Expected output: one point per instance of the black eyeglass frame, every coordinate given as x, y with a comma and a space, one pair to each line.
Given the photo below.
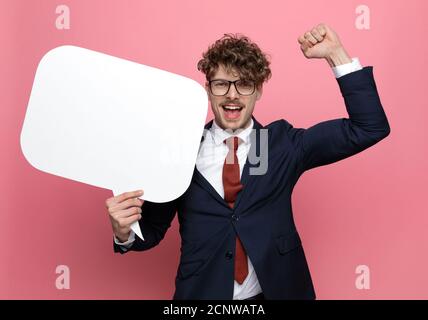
230, 83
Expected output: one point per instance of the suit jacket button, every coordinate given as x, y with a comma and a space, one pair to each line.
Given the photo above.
229, 255
235, 217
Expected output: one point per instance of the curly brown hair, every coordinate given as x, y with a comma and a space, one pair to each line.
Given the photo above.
236, 52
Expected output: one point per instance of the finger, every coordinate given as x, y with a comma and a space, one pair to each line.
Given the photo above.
127, 195
127, 213
301, 39
322, 29
133, 202
315, 33
109, 202
306, 45
130, 220
310, 38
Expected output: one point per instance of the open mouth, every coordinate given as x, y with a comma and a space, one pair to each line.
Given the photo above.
232, 111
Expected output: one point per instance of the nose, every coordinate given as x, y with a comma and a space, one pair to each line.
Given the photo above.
232, 94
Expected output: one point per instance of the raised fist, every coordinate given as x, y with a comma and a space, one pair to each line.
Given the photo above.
322, 42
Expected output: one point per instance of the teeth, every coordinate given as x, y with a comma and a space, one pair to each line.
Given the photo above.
232, 107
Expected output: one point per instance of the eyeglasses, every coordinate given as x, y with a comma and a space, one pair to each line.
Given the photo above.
221, 87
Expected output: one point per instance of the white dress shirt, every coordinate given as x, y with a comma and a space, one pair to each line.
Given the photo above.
209, 163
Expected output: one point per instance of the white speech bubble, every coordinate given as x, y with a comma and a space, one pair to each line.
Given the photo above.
114, 124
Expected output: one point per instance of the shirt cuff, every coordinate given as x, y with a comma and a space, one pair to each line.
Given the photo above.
344, 69
127, 244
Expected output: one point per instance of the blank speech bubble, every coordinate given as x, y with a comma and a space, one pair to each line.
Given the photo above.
114, 124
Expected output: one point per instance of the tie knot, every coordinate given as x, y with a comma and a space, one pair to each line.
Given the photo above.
233, 143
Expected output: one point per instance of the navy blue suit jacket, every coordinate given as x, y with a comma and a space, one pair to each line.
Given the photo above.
262, 215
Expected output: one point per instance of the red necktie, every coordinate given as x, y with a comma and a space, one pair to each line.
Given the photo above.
232, 185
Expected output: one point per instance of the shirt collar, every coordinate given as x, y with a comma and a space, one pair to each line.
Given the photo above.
219, 135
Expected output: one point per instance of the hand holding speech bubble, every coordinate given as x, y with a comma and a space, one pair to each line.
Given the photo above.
114, 124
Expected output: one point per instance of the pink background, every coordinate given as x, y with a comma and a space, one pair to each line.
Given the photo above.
366, 210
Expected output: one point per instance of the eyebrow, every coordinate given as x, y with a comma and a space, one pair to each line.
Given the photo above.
226, 80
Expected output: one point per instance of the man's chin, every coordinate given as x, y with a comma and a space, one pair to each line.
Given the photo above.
231, 125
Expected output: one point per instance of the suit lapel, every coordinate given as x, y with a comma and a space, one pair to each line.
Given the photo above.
200, 179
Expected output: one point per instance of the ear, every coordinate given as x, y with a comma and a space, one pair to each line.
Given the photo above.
259, 92
207, 89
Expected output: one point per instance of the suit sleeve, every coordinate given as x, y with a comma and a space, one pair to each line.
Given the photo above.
155, 221
337, 139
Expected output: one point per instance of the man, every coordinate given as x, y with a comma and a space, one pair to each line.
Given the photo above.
239, 240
